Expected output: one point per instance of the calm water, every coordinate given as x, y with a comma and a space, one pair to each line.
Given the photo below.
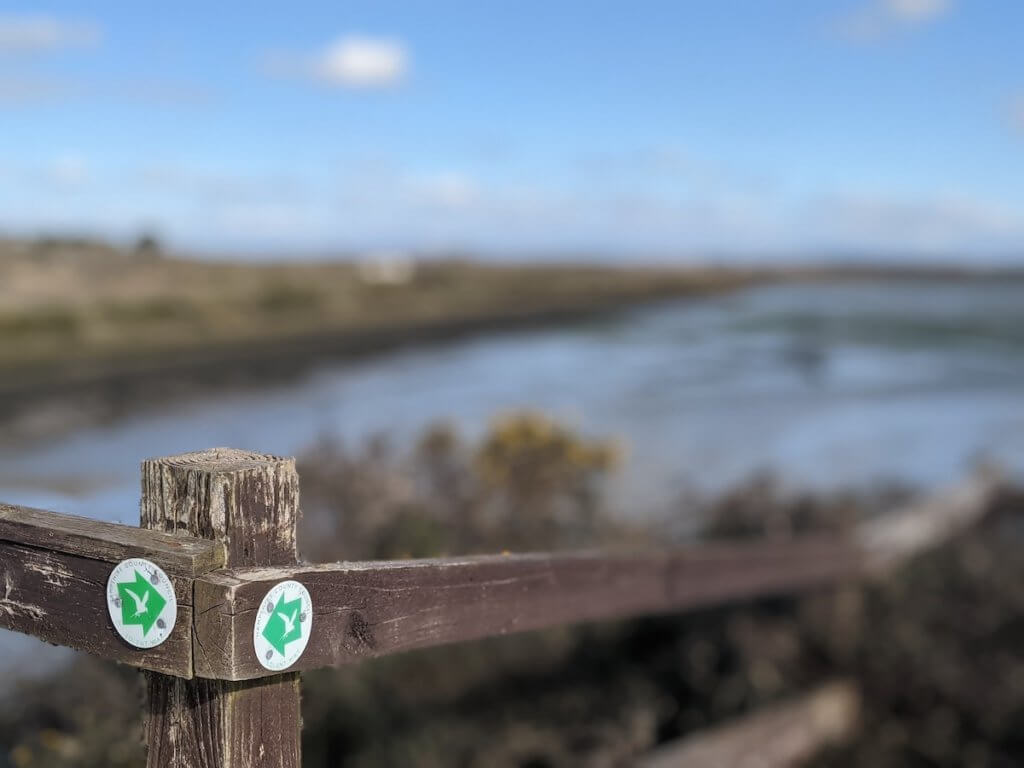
837, 385
827, 385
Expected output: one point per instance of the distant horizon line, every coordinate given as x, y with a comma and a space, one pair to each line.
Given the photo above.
775, 258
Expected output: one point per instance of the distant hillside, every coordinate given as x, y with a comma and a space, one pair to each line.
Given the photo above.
70, 306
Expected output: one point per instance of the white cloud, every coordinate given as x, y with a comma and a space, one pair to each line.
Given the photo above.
449, 189
916, 11
274, 219
209, 184
880, 18
68, 170
361, 62
34, 33
22, 90
935, 224
392, 206
18, 91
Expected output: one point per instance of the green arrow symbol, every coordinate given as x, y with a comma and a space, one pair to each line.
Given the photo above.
141, 603
284, 625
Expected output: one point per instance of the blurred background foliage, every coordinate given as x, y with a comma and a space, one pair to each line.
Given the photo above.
939, 649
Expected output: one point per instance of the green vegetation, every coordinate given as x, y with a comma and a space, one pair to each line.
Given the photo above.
44, 323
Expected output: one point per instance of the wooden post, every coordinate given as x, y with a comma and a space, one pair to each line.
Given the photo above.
250, 503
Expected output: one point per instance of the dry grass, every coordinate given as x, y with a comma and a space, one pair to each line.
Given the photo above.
67, 302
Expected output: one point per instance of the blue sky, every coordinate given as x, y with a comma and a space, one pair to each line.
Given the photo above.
640, 129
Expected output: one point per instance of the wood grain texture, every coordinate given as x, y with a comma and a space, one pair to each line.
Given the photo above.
61, 598
785, 735
371, 609
249, 503
246, 501
109, 542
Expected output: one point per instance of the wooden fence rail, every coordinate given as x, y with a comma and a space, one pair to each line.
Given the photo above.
376, 608
55, 570
783, 735
221, 524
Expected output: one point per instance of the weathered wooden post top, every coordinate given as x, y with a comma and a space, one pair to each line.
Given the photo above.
209, 599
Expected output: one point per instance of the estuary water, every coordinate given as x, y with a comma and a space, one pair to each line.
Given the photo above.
827, 385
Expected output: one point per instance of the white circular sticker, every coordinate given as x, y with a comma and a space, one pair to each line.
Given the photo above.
283, 625
141, 601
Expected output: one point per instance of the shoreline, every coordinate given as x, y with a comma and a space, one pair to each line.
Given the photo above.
93, 385
50, 401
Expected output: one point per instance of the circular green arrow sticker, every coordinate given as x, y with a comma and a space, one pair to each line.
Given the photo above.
141, 602
284, 622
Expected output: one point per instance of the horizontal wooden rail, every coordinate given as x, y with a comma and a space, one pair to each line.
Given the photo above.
369, 609
784, 735
178, 555
376, 608
54, 568
891, 539
54, 571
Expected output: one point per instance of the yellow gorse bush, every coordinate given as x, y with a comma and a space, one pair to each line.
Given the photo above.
532, 448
